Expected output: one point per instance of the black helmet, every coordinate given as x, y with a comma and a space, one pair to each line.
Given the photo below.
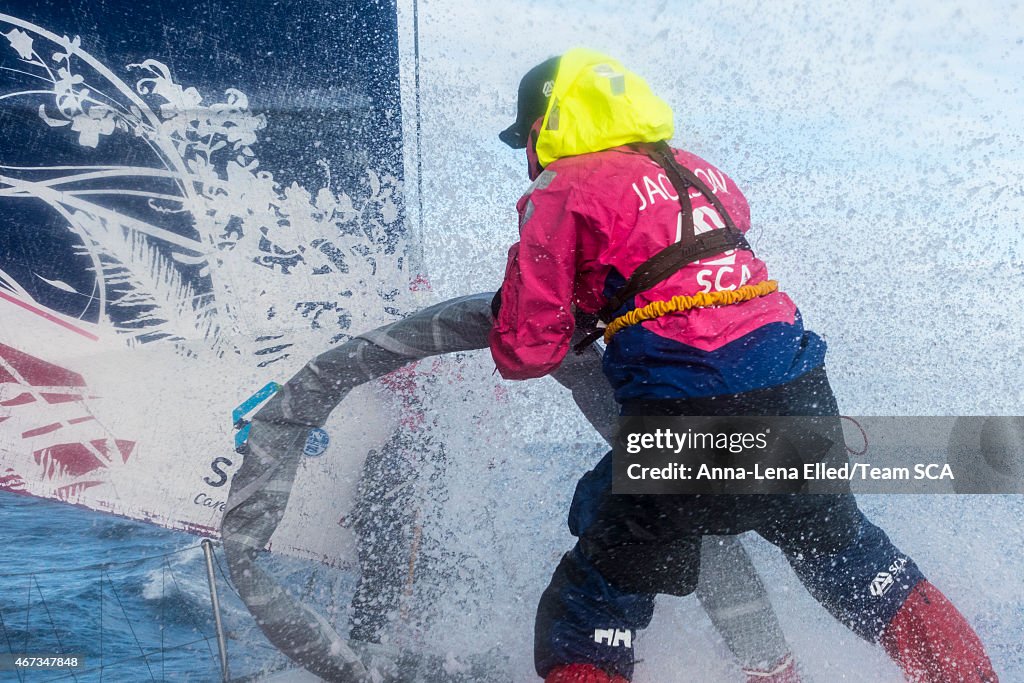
534, 92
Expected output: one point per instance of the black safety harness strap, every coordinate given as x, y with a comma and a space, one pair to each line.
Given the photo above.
689, 248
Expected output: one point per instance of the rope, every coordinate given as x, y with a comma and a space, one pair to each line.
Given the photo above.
163, 616
128, 622
191, 617
227, 579
53, 624
10, 648
28, 614
101, 625
123, 660
678, 304
144, 654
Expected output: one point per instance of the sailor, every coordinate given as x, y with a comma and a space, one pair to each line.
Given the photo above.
650, 239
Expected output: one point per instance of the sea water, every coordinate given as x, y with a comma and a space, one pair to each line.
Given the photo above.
130, 598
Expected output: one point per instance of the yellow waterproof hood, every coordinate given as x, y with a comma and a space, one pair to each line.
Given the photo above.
597, 104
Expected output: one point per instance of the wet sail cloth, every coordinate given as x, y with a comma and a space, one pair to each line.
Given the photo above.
167, 218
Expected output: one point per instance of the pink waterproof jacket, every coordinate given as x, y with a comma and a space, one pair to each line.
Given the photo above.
585, 225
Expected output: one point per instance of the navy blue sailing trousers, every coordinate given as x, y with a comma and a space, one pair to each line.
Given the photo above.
633, 547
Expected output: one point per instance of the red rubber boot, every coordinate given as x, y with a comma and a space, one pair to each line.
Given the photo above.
933, 643
783, 672
581, 673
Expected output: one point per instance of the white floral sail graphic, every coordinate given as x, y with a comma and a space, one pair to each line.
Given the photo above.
209, 279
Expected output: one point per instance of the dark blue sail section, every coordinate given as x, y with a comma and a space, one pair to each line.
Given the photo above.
308, 90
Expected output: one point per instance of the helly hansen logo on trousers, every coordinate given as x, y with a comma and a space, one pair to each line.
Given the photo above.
883, 581
614, 637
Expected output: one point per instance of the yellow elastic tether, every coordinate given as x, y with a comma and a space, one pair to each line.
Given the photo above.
680, 303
